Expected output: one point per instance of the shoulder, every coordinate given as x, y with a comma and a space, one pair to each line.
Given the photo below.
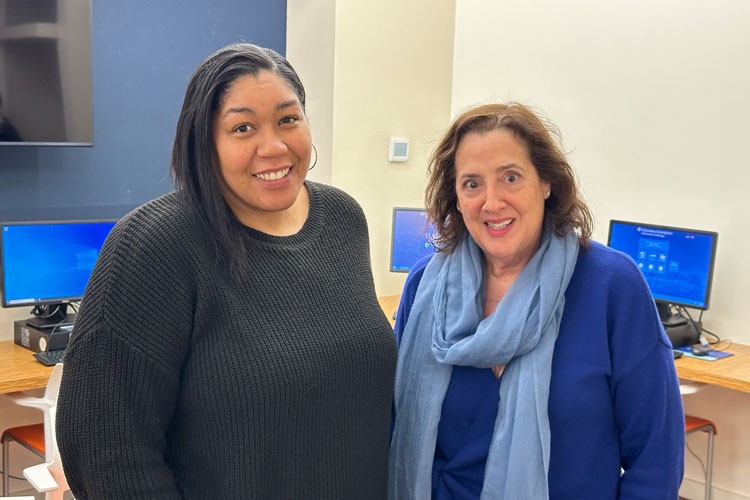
409, 293
333, 197
169, 207
415, 275
162, 217
606, 266
336, 207
161, 228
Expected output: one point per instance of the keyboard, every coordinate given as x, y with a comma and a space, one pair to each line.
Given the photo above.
50, 358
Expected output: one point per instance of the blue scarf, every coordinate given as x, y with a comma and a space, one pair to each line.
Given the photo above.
445, 328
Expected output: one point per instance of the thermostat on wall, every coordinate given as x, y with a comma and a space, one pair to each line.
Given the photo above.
398, 149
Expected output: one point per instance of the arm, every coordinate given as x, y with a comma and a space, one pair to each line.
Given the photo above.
646, 396
122, 369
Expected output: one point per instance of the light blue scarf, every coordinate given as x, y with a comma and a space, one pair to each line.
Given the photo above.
446, 328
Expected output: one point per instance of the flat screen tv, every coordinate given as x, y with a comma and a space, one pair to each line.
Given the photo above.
45, 73
678, 263
47, 265
411, 238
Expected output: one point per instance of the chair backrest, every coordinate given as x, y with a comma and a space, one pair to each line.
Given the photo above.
53, 384
49, 476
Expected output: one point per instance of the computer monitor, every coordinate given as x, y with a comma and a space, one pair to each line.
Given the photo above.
47, 265
678, 263
411, 238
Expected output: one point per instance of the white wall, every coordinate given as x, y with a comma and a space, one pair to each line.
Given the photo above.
652, 100
310, 41
392, 78
374, 70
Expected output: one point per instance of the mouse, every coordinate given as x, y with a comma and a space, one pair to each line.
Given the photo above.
700, 350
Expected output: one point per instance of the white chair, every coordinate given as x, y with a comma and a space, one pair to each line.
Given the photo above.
47, 477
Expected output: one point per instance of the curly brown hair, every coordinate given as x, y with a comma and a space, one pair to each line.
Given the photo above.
564, 211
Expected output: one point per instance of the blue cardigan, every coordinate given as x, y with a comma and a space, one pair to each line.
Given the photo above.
614, 400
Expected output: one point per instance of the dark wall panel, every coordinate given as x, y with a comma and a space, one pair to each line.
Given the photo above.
144, 52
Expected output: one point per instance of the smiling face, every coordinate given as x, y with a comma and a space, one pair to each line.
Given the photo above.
263, 145
501, 197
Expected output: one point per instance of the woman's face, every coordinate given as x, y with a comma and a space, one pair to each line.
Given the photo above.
263, 146
501, 197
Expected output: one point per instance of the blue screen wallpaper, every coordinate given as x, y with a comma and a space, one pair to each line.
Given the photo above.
410, 239
677, 263
48, 262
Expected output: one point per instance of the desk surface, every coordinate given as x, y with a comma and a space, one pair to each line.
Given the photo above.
20, 371
389, 304
732, 372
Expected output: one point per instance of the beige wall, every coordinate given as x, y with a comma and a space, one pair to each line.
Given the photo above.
310, 41
652, 100
391, 79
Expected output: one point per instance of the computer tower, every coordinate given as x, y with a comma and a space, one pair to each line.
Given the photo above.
39, 340
684, 334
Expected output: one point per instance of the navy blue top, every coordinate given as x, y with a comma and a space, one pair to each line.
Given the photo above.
614, 395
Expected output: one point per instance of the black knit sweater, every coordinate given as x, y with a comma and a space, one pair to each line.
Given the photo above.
180, 383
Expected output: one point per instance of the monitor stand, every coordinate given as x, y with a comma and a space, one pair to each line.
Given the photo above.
51, 316
667, 318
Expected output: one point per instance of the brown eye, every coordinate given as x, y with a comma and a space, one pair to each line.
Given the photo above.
243, 128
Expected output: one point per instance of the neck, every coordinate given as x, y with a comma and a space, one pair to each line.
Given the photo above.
286, 222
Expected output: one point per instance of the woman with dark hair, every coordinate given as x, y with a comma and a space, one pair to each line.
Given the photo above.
230, 343
532, 362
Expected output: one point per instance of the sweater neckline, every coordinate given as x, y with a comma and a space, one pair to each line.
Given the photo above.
311, 227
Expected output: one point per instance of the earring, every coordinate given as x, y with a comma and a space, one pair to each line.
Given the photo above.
316, 157
546, 195
458, 207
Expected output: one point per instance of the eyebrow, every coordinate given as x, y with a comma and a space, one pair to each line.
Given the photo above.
501, 168
245, 109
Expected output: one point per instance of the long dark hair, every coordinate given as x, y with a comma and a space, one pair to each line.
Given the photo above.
565, 210
194, 152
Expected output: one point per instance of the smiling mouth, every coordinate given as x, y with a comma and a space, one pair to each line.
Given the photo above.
273, 176
500, 225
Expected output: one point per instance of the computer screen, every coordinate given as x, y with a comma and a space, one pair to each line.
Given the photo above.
410, 238
48, 263
678, 263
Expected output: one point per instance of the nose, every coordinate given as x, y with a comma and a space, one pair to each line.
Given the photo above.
270, 143
494, 199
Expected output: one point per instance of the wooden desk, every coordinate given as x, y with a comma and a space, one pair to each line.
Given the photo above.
732, 372
389, 304
19, 370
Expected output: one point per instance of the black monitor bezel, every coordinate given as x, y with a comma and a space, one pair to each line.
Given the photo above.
712, 264
47, 301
